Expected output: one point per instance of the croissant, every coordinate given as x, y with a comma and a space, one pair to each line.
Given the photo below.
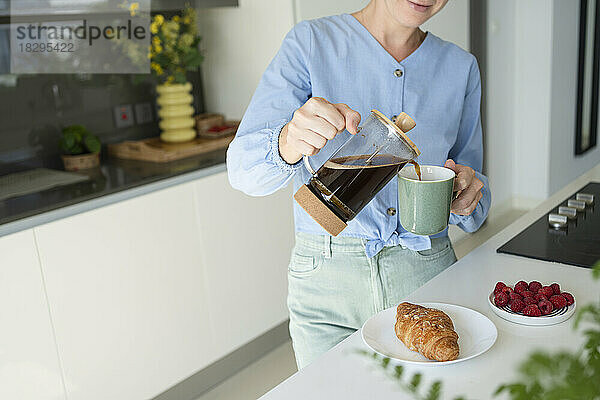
428, 331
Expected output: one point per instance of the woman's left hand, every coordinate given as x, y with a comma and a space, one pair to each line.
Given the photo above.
468, 187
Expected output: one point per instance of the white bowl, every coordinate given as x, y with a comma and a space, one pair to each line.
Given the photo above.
557, 315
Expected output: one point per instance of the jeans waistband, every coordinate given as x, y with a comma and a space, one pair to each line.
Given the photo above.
330, 244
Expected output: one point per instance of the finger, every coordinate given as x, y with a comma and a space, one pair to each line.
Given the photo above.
450, 164
469, 210
304, 122
351, 117
304, 148
315, 139
328, 112
467, 196
464, 177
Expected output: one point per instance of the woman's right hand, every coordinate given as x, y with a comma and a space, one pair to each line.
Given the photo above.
312, 125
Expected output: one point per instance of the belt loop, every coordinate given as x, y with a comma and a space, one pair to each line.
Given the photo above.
327, 245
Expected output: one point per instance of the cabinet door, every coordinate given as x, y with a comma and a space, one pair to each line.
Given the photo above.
127, 291
247, 242
29, 366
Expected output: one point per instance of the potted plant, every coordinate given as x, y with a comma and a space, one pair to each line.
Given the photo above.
174, 50
81, 148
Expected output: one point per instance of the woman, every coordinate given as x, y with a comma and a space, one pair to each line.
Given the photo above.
328, 73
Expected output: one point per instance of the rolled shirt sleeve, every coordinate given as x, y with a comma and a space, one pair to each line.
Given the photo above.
468, 150
254, 163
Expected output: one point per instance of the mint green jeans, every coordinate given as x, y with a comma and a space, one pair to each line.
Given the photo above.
333, 288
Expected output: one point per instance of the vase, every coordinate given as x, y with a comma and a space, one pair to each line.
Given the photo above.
176, 112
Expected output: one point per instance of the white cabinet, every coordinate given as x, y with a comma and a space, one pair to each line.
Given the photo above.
146, 292
127, 292
29, 366
247, 244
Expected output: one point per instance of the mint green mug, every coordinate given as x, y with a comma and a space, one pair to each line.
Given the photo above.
425, 205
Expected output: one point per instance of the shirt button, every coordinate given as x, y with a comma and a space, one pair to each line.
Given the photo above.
398, 72
391, 211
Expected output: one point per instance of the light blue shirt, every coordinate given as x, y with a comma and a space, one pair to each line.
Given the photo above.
338, 59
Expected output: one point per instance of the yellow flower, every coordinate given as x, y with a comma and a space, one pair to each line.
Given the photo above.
157, 68
176, 18
159, 19
186, 39
187, 20
133, 8
155, 40
154, 28
170, 79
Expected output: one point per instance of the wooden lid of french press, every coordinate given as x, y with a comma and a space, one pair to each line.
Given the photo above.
404, 123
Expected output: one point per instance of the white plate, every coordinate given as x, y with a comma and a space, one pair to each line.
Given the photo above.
476, 334
555, 317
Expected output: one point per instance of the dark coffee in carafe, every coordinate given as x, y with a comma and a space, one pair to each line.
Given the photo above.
347, 184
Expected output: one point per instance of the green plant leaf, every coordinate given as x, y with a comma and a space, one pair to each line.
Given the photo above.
415, 382
92, 143
434, 391
398, 370
179, 77
596, 270
385, 362
76, 139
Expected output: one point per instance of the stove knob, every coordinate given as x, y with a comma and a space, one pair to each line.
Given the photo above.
585, 197
557, 221
567, 212
576, 204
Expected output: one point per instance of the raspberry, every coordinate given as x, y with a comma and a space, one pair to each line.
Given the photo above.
534, 286
517, 305
532, 310
545, 307
546, 291
515, 296
501, 299
568, 297
529, 300
539, 297
508, 290
556, 288
526, 293
558, 301
521, 286
499, 287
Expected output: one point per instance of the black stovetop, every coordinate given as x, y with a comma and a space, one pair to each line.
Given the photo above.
578, 244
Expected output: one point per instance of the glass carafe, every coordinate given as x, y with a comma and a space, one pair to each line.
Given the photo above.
357, 171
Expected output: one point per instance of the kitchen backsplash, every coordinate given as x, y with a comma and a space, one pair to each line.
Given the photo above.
34, 108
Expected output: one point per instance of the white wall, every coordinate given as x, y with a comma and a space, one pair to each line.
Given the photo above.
238, 43
518, 101
532, 80
531, 100
499, 125
564, 165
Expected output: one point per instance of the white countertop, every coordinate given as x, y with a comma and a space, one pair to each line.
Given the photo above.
342, 374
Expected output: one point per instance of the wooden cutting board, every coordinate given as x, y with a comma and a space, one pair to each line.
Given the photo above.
155, 150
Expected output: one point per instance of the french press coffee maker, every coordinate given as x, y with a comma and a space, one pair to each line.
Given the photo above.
357, 171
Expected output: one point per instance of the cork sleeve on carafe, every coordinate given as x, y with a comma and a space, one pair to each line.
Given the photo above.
427, 331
